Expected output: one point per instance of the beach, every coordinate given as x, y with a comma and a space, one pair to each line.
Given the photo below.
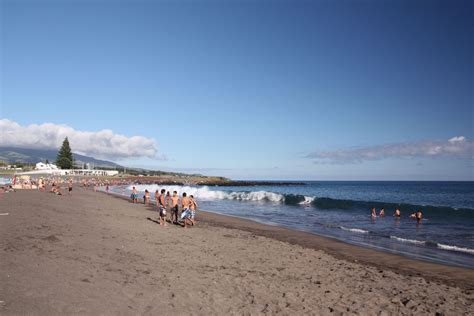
93, 253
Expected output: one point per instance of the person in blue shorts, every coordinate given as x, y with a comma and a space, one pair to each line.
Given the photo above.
192, 208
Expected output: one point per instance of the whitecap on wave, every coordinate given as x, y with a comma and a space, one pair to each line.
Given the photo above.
455, 248
412, 241
205, 193
354, 230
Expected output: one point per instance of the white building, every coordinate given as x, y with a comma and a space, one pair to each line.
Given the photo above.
10, 167
46, 166
52, 169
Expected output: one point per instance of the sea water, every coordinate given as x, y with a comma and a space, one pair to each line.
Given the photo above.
341, 210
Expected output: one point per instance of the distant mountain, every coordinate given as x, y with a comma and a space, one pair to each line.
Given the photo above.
25, 155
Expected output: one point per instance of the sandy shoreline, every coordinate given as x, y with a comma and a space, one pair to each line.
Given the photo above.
97, 254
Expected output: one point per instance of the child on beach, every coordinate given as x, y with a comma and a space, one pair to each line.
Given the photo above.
56, 190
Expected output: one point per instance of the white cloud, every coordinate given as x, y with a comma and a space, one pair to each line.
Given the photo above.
101, 144
459, 147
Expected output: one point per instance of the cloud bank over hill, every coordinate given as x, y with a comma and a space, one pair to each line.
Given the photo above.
103, 144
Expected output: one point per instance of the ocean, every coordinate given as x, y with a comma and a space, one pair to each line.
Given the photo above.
341, 210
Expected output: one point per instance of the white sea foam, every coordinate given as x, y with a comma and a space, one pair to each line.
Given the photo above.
307, 200
205, 193
354, 230
5, 180
412, 241
455, 248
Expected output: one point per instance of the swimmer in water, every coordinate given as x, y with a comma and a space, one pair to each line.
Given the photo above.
419, 216
397, 213
374, 212
382, 212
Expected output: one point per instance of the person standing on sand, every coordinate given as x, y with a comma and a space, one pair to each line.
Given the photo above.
174, 207
192, 206
184, 202
157, 198
69, 186
191, 212
146, 197
134, 195
168, 205
184, 207
162, 207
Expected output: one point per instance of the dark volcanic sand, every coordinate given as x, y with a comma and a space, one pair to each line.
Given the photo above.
98, 254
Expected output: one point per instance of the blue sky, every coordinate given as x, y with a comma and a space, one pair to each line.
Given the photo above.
250, 89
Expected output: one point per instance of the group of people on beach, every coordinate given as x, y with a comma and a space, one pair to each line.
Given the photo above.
168, 206
418, 215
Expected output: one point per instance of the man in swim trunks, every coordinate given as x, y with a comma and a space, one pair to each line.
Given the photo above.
174, 207
185, 207
184, 202
192, 207
168, 206
134, 195
162, 207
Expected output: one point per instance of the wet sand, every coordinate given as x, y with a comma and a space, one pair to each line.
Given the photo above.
92, 253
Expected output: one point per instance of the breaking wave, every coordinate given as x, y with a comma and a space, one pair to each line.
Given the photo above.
205, 193
411, 241
434, 244
455, 248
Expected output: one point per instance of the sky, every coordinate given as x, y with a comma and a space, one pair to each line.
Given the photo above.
309, 90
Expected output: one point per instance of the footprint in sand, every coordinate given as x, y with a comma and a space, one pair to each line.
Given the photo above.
52, 238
